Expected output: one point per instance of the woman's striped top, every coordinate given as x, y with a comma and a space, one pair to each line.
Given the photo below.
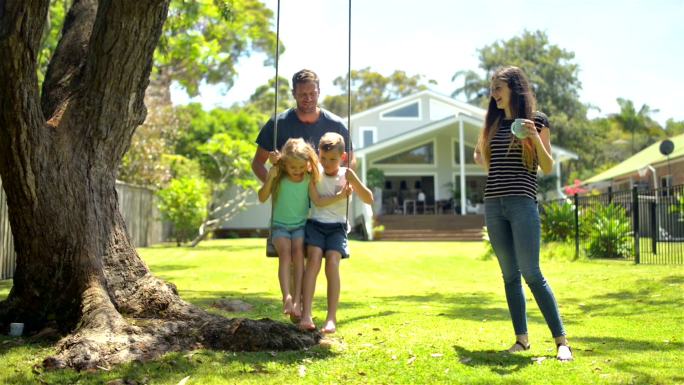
507, 172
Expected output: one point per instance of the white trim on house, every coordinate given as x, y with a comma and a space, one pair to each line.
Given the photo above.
403, 118
473, 110
403, 150
362, 130
419, 131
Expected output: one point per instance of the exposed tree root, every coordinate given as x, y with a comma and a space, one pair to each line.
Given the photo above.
105, 338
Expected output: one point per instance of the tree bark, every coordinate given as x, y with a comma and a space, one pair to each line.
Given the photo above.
76, 268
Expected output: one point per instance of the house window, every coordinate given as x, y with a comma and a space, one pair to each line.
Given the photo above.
408, 111
368, 137
468, 154
424, 154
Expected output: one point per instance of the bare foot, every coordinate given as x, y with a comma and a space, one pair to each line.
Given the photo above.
329, 327
307, 324
287, 305
296, 310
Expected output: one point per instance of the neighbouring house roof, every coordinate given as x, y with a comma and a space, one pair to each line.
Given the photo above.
649, 156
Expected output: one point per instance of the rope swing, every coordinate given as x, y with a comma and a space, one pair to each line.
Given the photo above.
270, 248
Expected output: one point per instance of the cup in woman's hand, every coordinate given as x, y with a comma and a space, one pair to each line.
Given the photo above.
518, 128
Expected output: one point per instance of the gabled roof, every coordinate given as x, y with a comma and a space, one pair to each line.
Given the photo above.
473, 110
649, 156
559, 153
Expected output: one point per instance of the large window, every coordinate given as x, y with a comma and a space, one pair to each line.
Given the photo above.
468, 154
408, 111
424, 154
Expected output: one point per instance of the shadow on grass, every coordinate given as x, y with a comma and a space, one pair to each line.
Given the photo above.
618, 348
472, 306
627, 302
173, 367
230, 248
612, 345
498, 361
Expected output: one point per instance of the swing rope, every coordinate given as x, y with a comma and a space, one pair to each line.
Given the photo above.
349, 109
349, 148
270, 248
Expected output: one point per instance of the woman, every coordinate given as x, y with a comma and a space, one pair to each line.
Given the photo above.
511, 213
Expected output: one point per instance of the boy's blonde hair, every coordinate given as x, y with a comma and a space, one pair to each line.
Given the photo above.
331, 141
296, 149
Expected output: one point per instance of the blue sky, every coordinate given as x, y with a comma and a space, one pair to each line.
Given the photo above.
625, 48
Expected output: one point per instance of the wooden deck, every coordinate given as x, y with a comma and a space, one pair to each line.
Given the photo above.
429, 227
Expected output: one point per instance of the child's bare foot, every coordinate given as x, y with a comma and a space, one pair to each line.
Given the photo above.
287, 305
307, 324
329, 327
296, 310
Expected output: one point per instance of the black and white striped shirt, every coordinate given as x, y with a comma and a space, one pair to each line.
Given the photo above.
507, 172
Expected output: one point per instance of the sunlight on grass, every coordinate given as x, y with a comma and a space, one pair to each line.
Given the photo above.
412, 312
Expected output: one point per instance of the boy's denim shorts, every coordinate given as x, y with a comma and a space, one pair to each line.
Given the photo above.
327, 236
283, 232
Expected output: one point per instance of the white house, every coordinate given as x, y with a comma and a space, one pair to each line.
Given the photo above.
422, 142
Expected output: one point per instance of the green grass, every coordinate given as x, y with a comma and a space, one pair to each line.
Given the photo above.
412, 313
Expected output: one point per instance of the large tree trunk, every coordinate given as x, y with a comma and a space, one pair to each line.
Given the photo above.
76, 268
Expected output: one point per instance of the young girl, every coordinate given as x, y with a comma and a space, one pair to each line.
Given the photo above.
291, 183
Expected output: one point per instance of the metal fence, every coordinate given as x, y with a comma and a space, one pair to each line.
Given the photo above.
643, 225
138, 207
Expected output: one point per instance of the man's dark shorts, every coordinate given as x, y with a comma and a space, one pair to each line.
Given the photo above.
327, 236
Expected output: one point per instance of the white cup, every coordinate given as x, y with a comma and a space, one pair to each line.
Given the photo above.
518, 128
16, 329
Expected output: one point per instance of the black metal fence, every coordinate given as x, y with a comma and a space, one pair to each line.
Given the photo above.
646, 226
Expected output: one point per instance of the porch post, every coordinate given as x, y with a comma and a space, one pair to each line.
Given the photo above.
461, 161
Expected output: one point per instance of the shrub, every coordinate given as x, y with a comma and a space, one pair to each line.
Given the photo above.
610, 232
488, 249
558, 222
184, 203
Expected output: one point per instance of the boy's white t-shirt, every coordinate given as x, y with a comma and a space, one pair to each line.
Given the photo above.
329, 186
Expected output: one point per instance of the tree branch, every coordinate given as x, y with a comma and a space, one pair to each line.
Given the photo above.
117, 70
21, 27
66, 66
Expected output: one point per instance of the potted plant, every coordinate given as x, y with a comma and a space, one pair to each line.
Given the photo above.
375, 180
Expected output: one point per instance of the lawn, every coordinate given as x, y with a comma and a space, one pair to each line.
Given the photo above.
411, 313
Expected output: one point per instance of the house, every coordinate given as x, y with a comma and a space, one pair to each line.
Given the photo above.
423, 142
648, 168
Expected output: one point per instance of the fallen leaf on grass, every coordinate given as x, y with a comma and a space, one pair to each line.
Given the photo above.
184, 380
538, 360
436, 355
465, 360
302, 370
410, 360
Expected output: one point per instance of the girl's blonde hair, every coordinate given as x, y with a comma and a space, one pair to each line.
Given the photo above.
522, 104
296, 149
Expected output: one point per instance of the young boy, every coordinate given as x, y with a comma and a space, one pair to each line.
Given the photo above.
326, 229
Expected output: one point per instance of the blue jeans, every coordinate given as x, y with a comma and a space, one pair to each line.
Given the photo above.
515, 230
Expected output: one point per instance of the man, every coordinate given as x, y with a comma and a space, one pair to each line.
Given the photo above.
307, 120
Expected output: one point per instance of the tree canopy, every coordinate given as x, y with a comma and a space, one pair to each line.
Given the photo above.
370, 89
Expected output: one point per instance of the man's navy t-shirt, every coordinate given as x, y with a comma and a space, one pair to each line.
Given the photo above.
289, 126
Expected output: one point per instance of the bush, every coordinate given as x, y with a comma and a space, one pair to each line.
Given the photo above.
184, 203
488, 249
558, 222
609, 232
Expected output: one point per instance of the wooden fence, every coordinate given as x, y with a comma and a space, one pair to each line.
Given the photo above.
139, 209
6, 240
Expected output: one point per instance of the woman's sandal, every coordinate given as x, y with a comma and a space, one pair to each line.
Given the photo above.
518, 347
564, 353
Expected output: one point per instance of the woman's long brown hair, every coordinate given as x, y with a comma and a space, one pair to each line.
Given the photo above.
522, 104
